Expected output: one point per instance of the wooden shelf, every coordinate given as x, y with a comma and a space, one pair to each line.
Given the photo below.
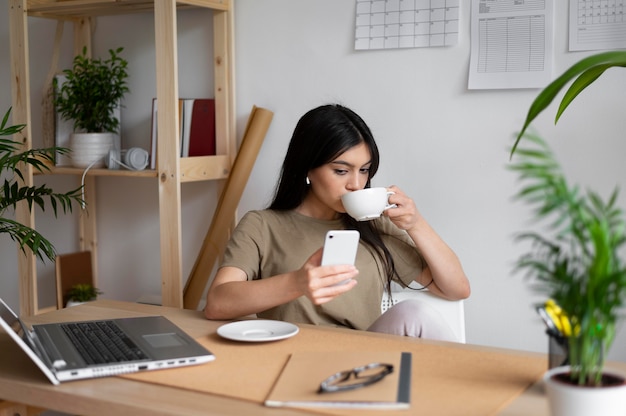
171, 171
62, 170
65, 9
192, 169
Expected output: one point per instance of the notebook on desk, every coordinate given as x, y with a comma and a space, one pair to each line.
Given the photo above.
97, 348
299, 383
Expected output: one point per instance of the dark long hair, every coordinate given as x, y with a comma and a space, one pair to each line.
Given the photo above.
320, 136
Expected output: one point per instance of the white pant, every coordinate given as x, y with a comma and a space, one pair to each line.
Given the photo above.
414, 318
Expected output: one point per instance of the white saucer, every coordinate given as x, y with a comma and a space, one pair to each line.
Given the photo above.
257, 330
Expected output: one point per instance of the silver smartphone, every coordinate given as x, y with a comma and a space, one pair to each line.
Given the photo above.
340, 247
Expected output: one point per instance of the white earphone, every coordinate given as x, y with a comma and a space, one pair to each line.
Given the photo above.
134, 158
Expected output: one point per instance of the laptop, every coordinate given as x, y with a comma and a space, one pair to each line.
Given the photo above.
97, 348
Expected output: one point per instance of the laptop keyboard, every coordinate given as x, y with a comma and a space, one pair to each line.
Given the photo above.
102, 342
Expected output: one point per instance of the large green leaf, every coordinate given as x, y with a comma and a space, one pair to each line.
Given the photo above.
584, 73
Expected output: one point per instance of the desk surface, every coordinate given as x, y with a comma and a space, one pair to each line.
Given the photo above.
22, 382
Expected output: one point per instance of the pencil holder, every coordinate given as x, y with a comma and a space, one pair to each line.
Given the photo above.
558, 350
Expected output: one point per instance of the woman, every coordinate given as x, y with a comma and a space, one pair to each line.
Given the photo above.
272, 265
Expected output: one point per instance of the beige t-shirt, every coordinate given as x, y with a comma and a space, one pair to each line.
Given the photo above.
267, 243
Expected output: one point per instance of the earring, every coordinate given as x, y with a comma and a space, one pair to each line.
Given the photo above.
308, 181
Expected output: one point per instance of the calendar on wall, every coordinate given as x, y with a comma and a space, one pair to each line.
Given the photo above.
597, 24
393, 24
511, 43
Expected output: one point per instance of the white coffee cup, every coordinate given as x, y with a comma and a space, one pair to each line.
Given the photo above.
367, 204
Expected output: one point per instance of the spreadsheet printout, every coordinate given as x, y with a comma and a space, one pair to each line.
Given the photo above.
511, 44
597, 24
394, 24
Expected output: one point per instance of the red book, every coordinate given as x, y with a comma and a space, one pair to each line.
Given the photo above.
202, 133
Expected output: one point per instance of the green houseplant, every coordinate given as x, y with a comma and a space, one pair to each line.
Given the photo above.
578, 261
89, 97
12, 160
81, 293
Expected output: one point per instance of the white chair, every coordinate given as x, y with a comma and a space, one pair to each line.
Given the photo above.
452, 311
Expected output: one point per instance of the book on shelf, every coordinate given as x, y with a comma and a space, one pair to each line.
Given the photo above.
299, 382
196, 125
202, 128
186, 113
153, 135
181, 125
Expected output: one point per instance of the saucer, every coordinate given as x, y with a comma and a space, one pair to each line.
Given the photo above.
257, 330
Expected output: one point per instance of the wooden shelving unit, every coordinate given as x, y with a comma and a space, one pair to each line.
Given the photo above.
171, 170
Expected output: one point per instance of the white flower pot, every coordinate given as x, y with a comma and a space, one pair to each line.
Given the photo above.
88, 148
572, 400
71, 303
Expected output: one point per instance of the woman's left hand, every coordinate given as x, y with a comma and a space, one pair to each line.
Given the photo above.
405, 215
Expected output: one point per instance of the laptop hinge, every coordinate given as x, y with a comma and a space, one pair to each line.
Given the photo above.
51, 355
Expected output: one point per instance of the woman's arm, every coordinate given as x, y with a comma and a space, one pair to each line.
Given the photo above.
231, 295
443, 267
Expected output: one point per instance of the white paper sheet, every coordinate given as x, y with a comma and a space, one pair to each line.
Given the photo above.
511, 45
393, 24
595, 24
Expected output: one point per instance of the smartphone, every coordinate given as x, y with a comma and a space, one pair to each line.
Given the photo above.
340, 247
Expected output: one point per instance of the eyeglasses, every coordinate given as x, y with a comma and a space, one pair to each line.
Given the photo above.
355, 378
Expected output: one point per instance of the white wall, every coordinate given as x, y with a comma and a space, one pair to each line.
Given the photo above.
444, 145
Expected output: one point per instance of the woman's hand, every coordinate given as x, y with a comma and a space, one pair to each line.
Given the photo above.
231, 295
322, 284
405, 216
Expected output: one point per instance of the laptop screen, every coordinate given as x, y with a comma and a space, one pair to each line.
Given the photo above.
16, 324
18, 332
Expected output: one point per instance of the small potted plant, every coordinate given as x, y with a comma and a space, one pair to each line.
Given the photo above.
578, 260
82, 293
89, 96
12, 160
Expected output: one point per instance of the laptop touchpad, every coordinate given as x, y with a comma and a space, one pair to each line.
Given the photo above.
164, 340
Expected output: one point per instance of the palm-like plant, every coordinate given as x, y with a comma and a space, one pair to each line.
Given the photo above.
12, 160
583, 74
578, 262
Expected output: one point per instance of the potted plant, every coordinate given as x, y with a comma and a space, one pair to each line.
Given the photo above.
89, 96
13, 191
82, 293
578, 260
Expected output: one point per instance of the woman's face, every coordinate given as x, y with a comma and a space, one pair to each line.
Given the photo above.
347, 173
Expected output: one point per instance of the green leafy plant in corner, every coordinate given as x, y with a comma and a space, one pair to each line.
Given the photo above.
583, 74
83, 293
13, 159
576, 261
91, 92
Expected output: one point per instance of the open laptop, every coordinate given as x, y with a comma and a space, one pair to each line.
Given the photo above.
109, 347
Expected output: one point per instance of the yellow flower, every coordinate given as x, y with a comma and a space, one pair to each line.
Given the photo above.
558, 317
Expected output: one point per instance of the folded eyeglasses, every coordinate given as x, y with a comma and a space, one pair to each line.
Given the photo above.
355, 378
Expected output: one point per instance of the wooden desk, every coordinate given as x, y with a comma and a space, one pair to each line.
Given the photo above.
21, 382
